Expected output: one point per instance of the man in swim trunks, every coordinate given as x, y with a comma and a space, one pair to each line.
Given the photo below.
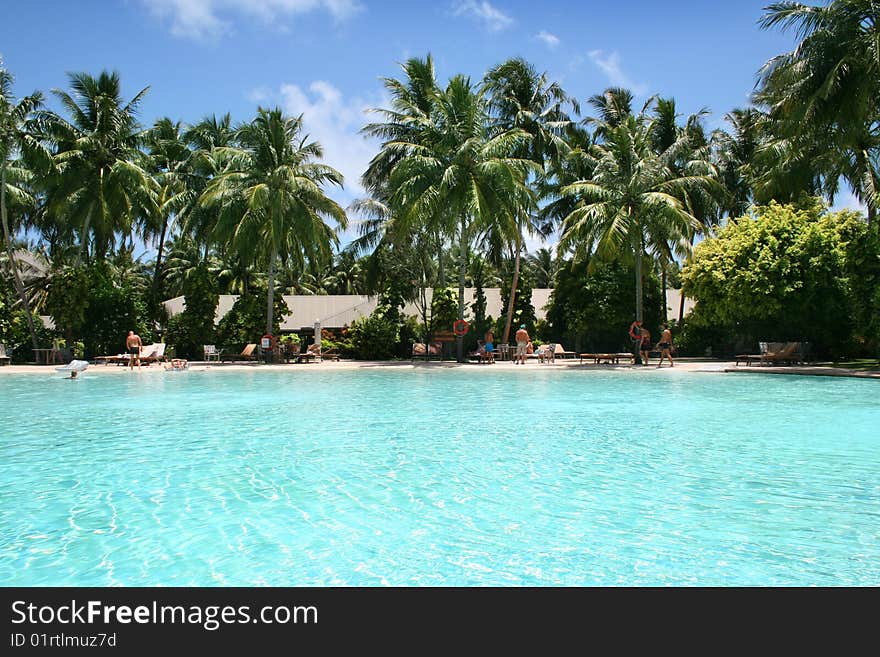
133, 345
665, 346
522, 345
489, 347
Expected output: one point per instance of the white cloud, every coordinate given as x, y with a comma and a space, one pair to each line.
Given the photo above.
492, 18
551, 40
206, 20
610, 66
335, 122
258, 94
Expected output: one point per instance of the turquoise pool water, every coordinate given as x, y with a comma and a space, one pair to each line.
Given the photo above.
439, 477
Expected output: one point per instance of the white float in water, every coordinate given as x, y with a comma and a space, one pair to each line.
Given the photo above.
74, 367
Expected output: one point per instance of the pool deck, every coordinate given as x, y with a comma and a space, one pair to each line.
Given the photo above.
682, 365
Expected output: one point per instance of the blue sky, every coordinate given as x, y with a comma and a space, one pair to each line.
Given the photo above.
324, 58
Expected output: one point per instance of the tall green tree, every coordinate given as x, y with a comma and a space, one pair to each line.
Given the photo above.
16, 137
170, 160
521, 98
822, 96
270, 199
102, 185
459, 175
633, 198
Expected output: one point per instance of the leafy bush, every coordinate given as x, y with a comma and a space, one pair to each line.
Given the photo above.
246, 320
189, 331
591, 307
374, 337
781, 275
88, 302
523, 310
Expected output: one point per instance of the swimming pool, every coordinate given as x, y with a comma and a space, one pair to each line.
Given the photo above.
439, 476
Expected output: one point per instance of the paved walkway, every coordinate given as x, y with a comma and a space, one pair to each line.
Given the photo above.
681, 365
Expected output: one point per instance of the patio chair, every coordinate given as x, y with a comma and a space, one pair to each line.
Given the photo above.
433, 350
330, 354
547, 353
153, 353
210, 351
4, 359
558, 350
246, 354
789, 354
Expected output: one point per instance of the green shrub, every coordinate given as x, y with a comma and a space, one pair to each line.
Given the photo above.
591, 307
780, 275
189, 331
246, 321
374, 337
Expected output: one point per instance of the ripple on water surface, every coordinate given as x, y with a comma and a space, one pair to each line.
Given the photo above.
439, 477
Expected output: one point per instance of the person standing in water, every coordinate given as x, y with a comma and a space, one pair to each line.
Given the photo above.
133, 345
665, 346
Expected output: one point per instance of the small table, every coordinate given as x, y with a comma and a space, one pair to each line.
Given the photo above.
46, 356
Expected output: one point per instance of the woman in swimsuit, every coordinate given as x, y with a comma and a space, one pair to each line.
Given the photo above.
645, 346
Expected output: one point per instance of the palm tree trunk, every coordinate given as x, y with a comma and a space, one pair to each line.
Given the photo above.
84, 240
462, 272
663, 285
159, 259
513, 286
16, 277
271, 295
639, 248
681, 291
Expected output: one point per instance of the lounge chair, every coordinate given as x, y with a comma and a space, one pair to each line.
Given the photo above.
210, 352
246, 354
330, 354
558, 351
433, 350
789, 354
153, 353
4, 359
312, 354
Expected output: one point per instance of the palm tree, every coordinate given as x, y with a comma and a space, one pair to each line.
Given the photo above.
16, 137
102, 184
457, 175
204, 138
734, 155
170, 160
520, 98
270, 198
633, 197
824, 92
542, 267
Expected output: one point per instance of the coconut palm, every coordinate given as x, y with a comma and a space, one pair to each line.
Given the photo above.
270, 199
16, 139
824, 92
102, 185
203, 138
457, 175
634, 196
170, 161
520, 98
542, 267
